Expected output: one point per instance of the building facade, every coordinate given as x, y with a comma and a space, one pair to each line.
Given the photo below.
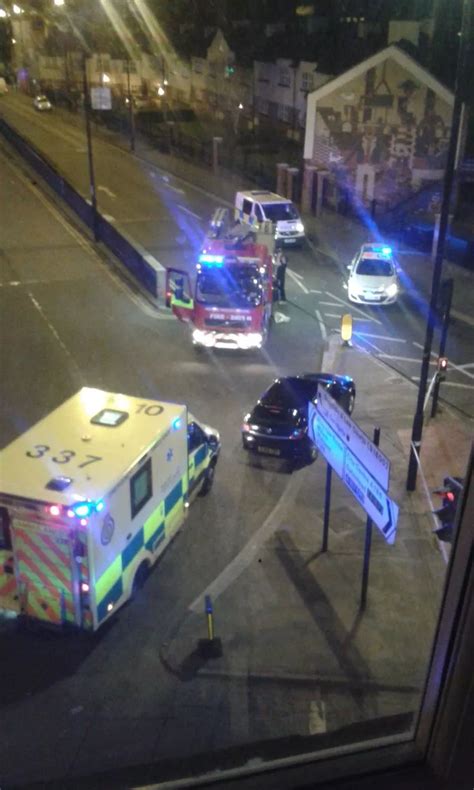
381, 129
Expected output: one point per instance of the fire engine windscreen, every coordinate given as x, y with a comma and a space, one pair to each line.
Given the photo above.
237, 285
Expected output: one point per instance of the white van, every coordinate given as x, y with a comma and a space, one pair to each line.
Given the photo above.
256, 206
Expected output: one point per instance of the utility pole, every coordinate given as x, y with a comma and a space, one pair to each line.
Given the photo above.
460, 86
131, 116
92, 190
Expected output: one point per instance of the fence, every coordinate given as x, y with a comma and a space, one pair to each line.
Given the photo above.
146, 269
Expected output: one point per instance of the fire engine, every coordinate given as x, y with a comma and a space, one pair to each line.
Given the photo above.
228, 298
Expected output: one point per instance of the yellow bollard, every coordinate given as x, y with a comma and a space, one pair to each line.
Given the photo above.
346, 329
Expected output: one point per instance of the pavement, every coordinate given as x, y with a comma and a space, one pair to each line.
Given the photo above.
285, 611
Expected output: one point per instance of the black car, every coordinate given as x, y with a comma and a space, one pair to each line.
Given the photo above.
277, 425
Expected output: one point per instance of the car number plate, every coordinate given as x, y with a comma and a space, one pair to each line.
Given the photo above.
268, 450
290, 241
373, 297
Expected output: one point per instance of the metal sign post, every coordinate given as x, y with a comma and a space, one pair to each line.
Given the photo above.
368, 543
327, 507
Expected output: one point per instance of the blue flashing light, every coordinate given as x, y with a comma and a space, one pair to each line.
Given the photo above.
176, 423
214, 260
99, 505
82, 509
386, 250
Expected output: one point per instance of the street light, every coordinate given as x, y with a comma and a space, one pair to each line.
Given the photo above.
161, 91
16, 9
105, 78
3, 13
58, 2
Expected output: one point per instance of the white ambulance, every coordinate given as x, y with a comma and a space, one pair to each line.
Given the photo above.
259, 205
89, 498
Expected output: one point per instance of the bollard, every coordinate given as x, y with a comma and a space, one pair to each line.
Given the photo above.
346, 329
210, 618
210, 647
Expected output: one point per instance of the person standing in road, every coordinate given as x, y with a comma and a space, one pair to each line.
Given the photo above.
280, 275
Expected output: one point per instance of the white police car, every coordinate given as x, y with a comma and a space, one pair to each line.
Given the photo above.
373, 276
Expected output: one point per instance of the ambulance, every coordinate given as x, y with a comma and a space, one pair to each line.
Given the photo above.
90, 497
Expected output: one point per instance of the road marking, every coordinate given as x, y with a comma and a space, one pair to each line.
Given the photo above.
353, 307
333, 315
299, 276
317, 717
109, 218
297, 279
455, 384
467, 365
322, 327
107, 191
76, 372
466, 319
243, 559
403, 359
187, 211
459, 368
381, 337
176, 189
330, 304
314, 291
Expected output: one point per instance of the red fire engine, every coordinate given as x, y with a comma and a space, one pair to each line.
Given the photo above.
228, 298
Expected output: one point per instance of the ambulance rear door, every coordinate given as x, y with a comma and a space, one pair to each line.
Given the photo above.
45, 571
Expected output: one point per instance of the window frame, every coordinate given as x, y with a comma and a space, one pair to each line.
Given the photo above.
136, 507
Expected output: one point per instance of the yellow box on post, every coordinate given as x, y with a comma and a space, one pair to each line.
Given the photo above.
346, 329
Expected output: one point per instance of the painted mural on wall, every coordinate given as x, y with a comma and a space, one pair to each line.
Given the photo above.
384, 134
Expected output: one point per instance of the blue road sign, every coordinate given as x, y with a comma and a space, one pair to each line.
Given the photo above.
358, 478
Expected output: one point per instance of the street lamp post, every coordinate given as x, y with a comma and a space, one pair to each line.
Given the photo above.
131, 114
460, 87
90, 159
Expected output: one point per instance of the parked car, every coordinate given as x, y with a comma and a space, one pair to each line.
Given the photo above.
373, 277
42, 103
260, 205
277, 425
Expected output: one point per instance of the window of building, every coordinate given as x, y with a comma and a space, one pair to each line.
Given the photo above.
141, 489
5, 538
307, 81
197, 66
284, 77
264, 106
284, 113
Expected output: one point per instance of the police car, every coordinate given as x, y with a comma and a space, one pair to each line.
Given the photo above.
373, 277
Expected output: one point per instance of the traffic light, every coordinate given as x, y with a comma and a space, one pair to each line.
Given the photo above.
442, 367
446, 514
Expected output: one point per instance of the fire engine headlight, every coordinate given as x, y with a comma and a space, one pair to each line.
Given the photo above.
203, 338
300, 227
254, 340
392, 289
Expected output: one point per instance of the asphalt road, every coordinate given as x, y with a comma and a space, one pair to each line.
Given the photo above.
167, 216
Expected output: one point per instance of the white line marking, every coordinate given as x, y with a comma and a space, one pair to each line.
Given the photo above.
107, 191
296, 280
176, 189
314, 291
462, 317
243, 559
299, 276
353, 307
455, 384
187, 211
322, 328
109, 218
317, 717
459, 368
369, 343
381, 337
330, 304
333, 315
402, 359
75, 368
466, 365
